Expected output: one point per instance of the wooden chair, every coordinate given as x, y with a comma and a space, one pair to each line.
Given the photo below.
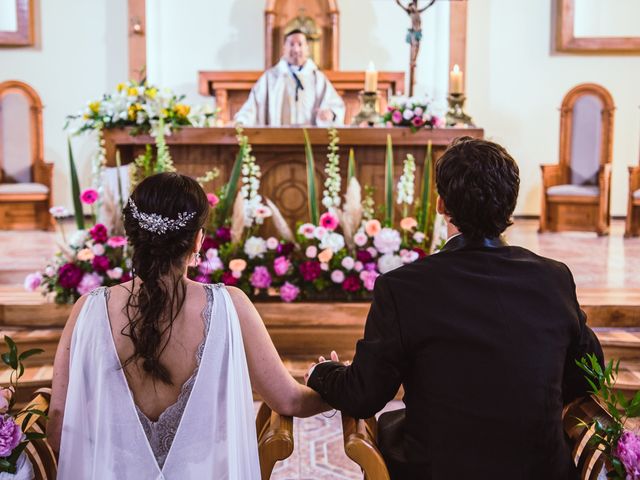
632, 226
360, 440
39, 452
25, 178
275, 438
360, 445
576, 192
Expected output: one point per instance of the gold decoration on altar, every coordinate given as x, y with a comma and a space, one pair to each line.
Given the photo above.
311, 30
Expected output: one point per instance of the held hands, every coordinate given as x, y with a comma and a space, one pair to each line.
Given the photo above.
334, 358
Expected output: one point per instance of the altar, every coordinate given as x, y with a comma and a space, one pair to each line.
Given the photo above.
280, 153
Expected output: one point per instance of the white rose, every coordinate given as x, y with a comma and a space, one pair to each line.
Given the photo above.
78, 238
272, 243
360, 239
50, 271
407, 114
324, 267
319, 232
387, 240
255, 247
115, 273
418, 237
388, 262
332, 240
311, 251
348, 263
98, 249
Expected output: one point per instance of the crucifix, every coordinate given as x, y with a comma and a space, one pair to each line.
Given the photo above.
414, 34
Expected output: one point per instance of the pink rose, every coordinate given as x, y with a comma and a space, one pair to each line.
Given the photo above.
281, 265
337, 276
213, 199
32, 282
10, 435
368, 278
116, 242
260, 278
289, 292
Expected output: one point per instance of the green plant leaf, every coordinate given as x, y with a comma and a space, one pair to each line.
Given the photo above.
30, 353
75, 189
388, 184
351, 170
312, 197
231, 188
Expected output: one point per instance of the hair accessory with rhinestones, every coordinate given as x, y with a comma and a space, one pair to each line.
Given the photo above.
158, 224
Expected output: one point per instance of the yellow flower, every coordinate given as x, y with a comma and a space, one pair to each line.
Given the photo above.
182, 110
121, 86
94, 106
165, 112
132, 92
151, 92
132, 112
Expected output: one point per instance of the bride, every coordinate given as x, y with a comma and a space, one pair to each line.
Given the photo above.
152, 378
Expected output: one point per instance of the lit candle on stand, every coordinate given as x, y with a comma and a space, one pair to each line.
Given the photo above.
371, 79
455, 80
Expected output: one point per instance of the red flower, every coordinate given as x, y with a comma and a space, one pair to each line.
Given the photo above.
99, 233
417, 121
100, 263
363, 256
310, 270
69, 275
209, 243
421, 253
351, 284
228, 279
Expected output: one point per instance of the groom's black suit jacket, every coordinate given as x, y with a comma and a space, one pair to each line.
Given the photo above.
484, 339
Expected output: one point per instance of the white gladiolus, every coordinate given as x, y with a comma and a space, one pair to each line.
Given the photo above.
406, 182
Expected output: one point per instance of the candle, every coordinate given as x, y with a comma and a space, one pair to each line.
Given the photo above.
455, 80
371, 79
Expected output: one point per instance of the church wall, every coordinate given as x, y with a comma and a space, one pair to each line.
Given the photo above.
80, 52
515, 86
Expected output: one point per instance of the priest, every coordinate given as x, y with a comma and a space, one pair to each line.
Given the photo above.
294, 92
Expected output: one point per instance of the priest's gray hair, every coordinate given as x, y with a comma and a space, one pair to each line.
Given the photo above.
156, 223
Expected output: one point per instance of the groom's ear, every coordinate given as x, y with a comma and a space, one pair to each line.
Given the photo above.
440, 206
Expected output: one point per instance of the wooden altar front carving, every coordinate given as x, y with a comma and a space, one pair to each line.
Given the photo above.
318, 19
231, 89
280, 153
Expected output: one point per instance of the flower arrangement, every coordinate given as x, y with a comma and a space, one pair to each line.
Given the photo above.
141, 106
13, 438
336, 255
620, 446
411, 112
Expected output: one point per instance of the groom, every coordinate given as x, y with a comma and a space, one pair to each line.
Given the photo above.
483, 336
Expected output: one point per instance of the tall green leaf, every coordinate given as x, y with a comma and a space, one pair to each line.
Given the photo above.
312, 197
388, 185
425, 191
430, 208
120, 189
231, 188
75, 189
351, 170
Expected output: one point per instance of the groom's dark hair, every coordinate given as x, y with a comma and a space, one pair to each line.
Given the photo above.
159, 259
478, 181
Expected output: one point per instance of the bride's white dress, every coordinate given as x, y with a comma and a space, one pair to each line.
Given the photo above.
208, 434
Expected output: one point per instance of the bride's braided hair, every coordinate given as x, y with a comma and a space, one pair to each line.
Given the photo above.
159, 259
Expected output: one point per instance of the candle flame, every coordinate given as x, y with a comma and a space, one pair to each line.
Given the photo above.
371, 67
456, 68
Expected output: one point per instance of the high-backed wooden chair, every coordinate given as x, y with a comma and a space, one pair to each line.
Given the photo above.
360, 445
360, 440
576, 192
275, 438
42, 458
25, 178
632, 226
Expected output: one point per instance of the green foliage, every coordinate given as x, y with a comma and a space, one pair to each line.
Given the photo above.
230, 190
312, 200
388, 185
75, 189
427, 211
351, 170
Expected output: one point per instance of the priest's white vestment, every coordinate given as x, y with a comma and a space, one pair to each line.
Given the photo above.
291, 95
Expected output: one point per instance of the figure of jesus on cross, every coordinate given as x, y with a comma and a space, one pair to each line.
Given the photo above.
414, 34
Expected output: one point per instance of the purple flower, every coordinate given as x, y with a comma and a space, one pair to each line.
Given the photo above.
33, 281
281, 265
364, 256
628, 451
289, 292
223, 234
310, 270
202, 278
396, 117
351, 284
10, 435
260, 278
99, 233
285, 249
368, 277
100, 263
228, 279
370, 266
89, 282
69, 275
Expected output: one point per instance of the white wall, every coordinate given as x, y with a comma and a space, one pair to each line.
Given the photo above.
80, 53
515, 85
191, 35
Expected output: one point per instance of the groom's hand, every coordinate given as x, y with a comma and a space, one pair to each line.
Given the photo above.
334, 358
